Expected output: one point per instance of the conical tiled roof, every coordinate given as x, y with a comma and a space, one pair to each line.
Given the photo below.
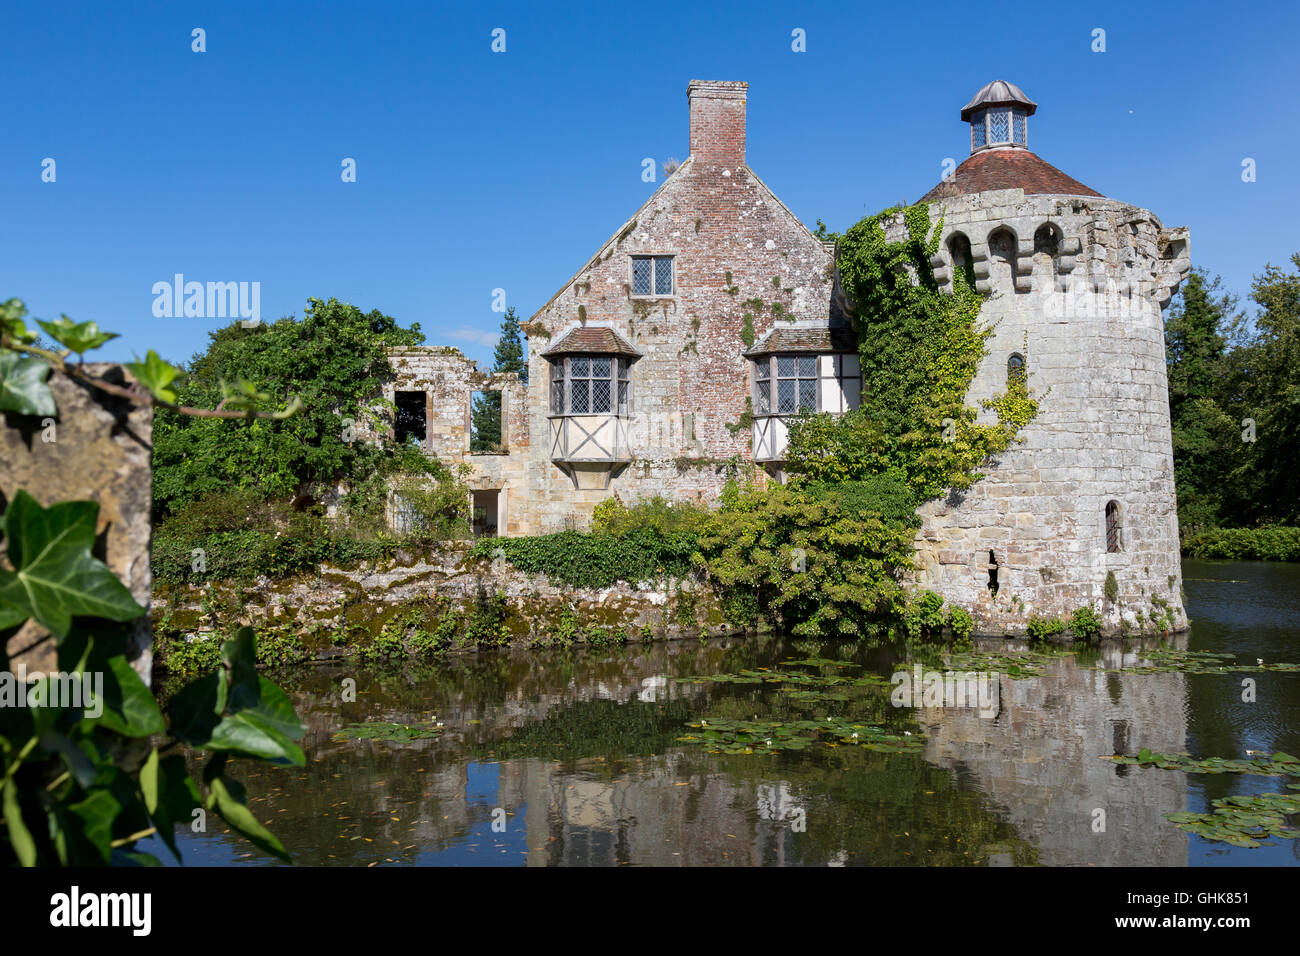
1008, 169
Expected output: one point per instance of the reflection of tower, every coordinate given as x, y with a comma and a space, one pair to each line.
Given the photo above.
1076, 283
1039, 760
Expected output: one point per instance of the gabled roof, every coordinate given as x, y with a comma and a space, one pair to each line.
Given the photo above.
806, 339
1008, 169
595, 340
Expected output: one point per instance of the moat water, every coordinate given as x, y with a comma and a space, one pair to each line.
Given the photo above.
572, 757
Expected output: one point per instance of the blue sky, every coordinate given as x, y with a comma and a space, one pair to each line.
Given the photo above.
479, 170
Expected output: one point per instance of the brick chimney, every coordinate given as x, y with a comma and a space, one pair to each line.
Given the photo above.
717, 121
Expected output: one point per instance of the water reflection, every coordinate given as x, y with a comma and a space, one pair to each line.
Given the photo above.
572, 758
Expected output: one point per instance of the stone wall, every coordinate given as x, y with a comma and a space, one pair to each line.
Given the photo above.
97, 449
1086, 317
355, 604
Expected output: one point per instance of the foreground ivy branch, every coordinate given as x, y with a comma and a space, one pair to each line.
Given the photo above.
76, 791
25, 368
88, 774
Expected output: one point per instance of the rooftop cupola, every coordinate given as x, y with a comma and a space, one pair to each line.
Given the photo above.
999, 117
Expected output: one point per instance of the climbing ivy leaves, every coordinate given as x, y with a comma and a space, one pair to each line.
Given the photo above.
55, 576
69, 791
23, 387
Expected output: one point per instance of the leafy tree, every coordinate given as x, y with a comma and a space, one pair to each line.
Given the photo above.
1205, 438
1268, 374
333, 360
485, 416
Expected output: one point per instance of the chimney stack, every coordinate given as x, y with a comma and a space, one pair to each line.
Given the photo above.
717, 121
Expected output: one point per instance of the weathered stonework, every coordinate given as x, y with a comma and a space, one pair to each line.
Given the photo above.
1086, 318
1076, 283
98, 449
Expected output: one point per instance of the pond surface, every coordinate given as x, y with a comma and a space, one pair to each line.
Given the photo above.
573, 758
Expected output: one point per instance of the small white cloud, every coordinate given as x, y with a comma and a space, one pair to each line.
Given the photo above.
474, 335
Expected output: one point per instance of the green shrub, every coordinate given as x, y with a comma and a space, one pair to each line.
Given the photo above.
805, 558
1276, 543
923, 616
612, 516
1084, 624
960, 623
1041, 628
599, 559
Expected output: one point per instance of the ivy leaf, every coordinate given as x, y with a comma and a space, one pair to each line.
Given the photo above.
55, 576
228, 798
80, 337
97, 813
243, 396
155, 374
11, 321
19, 836
236, 711
170, 795
23, 388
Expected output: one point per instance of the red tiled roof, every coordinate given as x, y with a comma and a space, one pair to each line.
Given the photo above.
1008, 169
593, 339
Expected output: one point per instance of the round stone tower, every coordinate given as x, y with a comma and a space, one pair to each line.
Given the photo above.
1082, 512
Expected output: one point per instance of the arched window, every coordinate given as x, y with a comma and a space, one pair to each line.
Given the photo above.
1047, 239
1112, 527
1002, 256
960, 256
1015, 368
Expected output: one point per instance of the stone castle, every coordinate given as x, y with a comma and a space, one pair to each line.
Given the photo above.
712, 316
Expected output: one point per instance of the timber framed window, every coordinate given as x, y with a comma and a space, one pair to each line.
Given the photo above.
785, 384
591, 385
652, 276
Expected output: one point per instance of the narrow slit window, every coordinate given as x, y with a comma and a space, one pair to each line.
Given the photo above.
1015, 369
1113, 541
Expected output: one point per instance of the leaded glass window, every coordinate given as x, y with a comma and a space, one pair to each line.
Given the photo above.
593, 384
652, 275
999, 126
794, 380
1018, 127
1015, 368
557, 387
977, 137
1112, 527
763, 386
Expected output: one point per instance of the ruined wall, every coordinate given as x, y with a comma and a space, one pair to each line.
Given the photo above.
1086, 316
449, 380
